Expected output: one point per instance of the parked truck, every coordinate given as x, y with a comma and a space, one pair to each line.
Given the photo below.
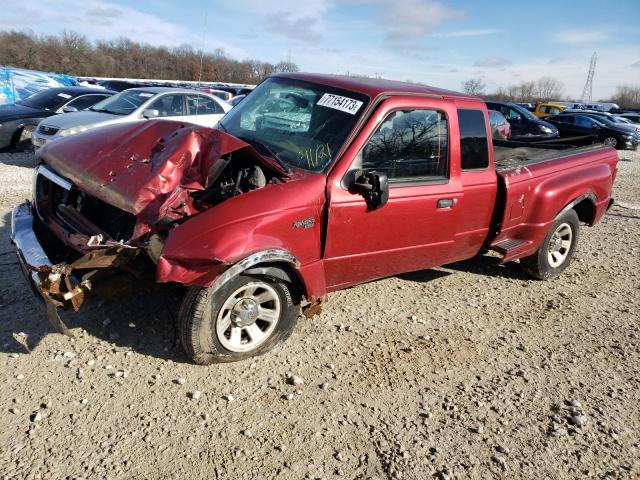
359, 179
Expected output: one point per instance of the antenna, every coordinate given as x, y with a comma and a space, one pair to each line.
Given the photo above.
587, 91
204, 31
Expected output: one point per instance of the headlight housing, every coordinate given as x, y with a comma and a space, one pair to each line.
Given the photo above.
72, 131
545, 129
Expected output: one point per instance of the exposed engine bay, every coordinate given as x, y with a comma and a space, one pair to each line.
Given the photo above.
228, 179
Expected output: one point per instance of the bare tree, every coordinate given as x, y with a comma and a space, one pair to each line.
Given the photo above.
287, 66
627, 96
548, 88
474, 86
75, 54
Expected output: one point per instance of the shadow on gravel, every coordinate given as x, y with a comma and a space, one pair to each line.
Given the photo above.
18, 158
481, 265
487, 265
609, 214
143, 320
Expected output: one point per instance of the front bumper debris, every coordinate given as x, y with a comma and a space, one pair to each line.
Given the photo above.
60, 285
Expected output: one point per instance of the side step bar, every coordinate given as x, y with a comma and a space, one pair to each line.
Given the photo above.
511, 248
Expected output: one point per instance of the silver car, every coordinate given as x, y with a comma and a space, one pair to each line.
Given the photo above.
135, 105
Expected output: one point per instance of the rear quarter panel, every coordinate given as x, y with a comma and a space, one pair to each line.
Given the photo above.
534, 195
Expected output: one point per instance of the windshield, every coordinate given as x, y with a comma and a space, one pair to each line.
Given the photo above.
525, 113
124, 102
606, 121
302, 124
46, 100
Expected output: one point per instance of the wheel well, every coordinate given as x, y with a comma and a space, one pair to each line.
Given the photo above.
281, 270
586, 211
15, 138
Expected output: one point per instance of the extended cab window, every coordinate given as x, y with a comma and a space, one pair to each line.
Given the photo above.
474, 147
409, 145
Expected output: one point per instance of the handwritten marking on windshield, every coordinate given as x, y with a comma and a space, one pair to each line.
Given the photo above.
320, 155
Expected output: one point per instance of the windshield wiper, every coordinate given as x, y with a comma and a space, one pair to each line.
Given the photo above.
271, 152
106, 111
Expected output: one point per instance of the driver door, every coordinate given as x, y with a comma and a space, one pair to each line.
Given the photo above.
413, 145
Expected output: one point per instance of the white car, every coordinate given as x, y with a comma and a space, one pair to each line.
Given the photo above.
135, 105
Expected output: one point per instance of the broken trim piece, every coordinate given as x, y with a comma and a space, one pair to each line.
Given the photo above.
264, 256
56, 284
314, 307
54, 177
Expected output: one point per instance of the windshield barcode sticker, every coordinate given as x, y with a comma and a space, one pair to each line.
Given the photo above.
64, 95
344, 104
145, 94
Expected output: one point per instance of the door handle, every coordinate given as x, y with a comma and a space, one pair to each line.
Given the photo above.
446, 203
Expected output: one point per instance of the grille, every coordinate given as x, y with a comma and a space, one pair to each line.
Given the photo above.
63, 206
46, 130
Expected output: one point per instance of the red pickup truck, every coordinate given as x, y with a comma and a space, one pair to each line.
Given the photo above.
312, 184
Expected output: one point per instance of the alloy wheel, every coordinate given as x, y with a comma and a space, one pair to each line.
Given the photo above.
248, 317
560, 245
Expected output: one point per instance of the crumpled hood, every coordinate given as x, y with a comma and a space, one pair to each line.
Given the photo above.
136, 167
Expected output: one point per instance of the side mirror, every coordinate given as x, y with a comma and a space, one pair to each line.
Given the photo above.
69, 109
373, 186
151, 113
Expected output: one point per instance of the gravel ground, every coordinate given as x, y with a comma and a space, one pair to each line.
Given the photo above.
465, 371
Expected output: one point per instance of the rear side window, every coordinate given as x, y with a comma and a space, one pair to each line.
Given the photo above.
201, 105
474, 148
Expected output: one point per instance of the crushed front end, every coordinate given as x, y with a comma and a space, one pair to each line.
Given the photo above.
104, 203
65, 255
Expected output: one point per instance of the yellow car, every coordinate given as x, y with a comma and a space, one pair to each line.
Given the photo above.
547, 109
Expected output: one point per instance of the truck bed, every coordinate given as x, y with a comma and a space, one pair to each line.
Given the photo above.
535, 182
509, 157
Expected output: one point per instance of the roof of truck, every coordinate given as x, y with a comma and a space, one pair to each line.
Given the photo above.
373, 87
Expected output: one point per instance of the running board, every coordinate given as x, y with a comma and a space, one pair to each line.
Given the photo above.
511, 248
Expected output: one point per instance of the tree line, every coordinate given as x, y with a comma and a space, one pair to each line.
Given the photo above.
74, 54
545, 89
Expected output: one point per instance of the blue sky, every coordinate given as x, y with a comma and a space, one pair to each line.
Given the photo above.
436, 42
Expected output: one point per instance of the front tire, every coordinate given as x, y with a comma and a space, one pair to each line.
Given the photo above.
246, 317
611, 142
557, 249
23, 138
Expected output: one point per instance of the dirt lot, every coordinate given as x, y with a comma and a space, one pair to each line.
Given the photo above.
468, 371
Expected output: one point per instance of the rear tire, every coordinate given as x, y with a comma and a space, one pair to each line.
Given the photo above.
557, 249
246, 317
